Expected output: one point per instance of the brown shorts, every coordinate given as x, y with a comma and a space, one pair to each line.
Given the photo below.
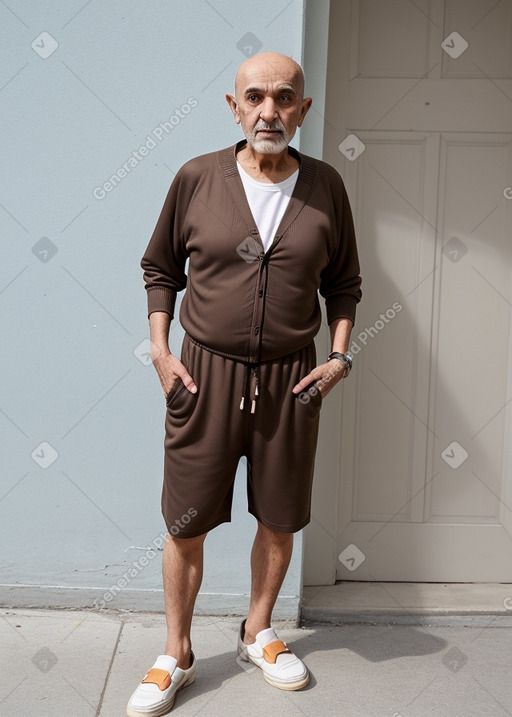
207, 433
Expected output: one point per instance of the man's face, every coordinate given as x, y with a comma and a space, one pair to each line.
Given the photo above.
269, 104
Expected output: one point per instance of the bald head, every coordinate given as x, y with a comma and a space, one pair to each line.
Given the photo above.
269, 101
269, 67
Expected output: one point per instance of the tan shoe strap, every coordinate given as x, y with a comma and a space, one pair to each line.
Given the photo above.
273, 649
158, 677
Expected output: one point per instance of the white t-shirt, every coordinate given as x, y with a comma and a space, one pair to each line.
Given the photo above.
268, 202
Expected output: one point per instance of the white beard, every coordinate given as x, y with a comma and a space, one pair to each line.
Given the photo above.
268, 146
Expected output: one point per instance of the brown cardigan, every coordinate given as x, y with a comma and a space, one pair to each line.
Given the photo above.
240, 301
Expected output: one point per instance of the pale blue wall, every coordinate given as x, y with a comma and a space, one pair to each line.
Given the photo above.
72, 321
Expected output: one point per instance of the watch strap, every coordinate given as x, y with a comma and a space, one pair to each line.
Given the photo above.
344, 358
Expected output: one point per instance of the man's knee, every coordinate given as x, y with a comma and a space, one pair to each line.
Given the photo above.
184, 544
274, 535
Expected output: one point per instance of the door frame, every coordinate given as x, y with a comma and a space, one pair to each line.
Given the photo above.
319, 542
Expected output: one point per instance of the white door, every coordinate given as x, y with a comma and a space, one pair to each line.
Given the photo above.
418, 121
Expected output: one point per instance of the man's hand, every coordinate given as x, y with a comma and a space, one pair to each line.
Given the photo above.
168, 366
326, 376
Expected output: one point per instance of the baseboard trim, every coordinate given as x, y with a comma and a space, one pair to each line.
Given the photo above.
143, 600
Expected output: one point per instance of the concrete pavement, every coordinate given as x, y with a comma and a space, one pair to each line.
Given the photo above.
81, 663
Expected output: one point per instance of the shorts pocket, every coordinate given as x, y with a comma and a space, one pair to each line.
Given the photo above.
177, 388
312, 397
180, 403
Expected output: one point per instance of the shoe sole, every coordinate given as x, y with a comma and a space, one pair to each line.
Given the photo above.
290, 686
162, 709
287, 686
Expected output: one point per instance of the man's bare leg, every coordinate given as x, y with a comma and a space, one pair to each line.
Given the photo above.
270, 558
182, 569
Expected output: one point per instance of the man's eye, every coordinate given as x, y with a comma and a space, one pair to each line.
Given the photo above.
253, 98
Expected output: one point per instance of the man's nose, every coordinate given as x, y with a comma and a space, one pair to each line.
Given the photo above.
268, 111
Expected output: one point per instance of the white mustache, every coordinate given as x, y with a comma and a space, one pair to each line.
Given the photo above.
276, 127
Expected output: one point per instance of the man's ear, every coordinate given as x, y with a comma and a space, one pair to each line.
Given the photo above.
234, 107
306, 104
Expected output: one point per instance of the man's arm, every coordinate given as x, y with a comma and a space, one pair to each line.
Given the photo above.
166, 254
340, 334
164, 276
167, 365
341, 287
329, 373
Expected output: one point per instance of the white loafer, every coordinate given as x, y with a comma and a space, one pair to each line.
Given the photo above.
156, 693
281, 668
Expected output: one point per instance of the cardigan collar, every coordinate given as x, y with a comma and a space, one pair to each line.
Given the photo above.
301, 192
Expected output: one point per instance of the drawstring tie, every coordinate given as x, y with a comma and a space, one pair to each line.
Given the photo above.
251, 377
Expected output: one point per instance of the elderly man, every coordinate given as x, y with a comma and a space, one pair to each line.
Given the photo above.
264, 228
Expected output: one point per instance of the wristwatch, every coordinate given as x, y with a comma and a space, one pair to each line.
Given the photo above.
345, 358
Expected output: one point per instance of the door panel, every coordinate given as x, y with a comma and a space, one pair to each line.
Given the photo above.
487, 28
379, 46
399, 256
473, 297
